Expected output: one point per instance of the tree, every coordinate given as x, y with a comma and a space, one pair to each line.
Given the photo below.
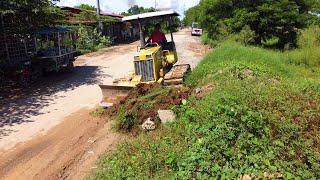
28, 15
138, 10
192, 15
89, 16
25, 16
86, 7
279, 19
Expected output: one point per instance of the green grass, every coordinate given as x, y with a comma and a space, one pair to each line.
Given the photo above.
98, 112
267, 122
308, 56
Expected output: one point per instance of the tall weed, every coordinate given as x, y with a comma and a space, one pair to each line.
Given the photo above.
308, 53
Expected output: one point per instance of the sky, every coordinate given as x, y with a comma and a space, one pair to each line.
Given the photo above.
118, 6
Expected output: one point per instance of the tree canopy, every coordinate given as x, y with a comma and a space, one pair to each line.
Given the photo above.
138, 10
87, 7
278, 19
192, 15
27, 15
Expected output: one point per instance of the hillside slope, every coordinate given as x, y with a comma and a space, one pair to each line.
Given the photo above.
253, 114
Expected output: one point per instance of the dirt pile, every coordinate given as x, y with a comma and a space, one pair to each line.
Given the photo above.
144, 101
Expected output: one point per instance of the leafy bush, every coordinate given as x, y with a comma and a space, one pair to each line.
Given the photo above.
124, 121
223, 34
246, 36
208, 41
263, 125
90, 39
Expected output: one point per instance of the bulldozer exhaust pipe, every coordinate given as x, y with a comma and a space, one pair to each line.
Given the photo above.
142, 39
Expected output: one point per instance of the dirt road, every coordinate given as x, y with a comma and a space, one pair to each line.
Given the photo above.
67, 150
52, 134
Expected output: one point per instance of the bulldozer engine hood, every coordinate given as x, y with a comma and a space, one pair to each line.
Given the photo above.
147, 53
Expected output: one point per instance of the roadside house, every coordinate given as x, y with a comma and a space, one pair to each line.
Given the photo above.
117, 30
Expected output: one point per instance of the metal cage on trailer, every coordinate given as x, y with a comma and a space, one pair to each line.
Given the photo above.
55, 47
15, 47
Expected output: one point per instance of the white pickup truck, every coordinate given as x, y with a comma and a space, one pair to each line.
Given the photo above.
196, 31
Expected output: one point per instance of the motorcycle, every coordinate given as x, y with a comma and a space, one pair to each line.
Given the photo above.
25, 74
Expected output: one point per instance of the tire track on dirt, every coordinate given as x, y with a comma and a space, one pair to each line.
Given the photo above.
65, 152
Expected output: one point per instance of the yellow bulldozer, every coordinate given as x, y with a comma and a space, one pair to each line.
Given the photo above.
154, 63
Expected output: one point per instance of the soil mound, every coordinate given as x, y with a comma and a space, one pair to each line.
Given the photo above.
144, 101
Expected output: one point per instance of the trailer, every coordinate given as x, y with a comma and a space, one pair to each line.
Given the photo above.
24, 57
55, 48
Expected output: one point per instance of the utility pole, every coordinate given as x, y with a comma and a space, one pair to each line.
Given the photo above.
155, 4
98, 8
100, 25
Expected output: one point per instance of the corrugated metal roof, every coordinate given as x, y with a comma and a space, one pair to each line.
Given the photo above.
78, 10
150, 15
111, 14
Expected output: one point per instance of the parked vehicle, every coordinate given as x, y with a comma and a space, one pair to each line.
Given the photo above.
195, 29
54, 52
55, 49
25, 57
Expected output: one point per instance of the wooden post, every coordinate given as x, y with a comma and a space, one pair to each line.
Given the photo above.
170, 22
59, 44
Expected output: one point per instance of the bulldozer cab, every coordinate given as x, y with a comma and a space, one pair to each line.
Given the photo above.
153, 60
146, 19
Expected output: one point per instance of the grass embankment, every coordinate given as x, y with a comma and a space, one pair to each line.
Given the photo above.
261, 118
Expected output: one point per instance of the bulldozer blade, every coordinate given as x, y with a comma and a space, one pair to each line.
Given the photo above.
112, 93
